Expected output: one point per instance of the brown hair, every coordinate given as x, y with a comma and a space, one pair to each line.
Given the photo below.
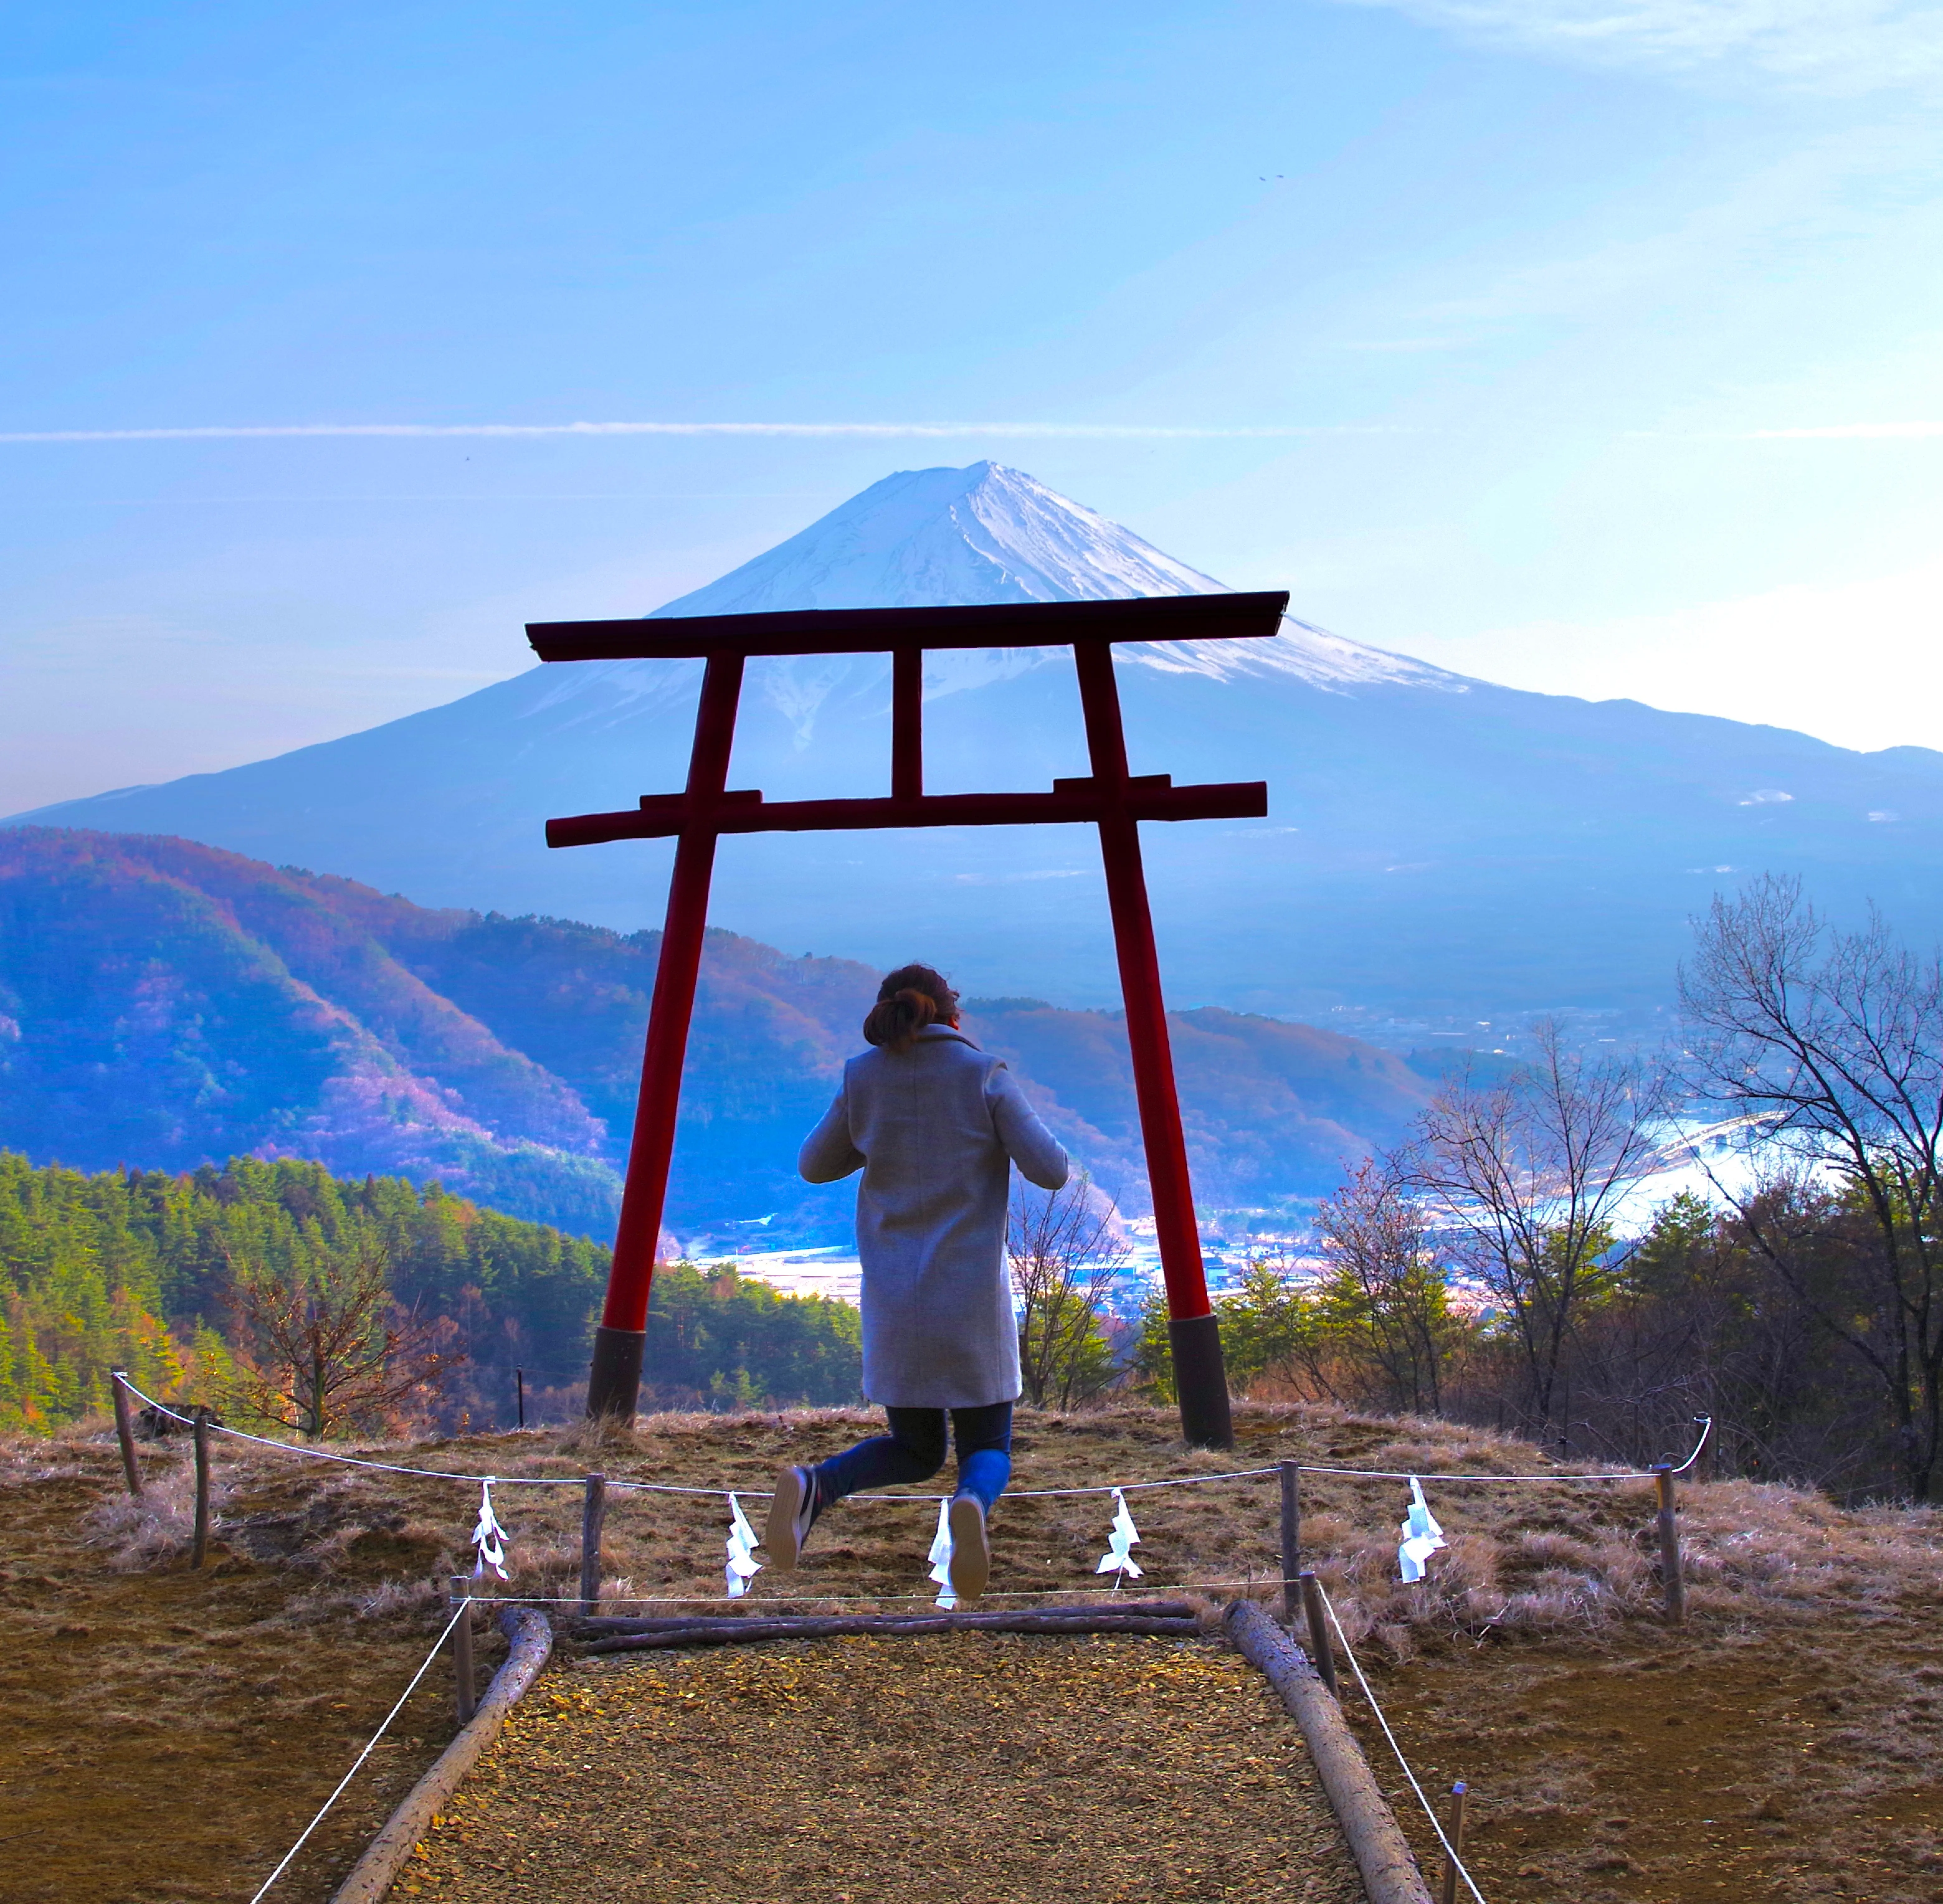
913, 996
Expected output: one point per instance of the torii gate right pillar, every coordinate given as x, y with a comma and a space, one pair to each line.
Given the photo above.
1200, 1376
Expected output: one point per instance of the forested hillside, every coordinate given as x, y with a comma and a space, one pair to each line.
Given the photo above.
164, 1004
193, 1283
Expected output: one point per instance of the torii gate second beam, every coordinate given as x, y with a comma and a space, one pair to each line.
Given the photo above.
1111, 799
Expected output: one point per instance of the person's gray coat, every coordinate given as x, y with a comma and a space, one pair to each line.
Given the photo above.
935, 1130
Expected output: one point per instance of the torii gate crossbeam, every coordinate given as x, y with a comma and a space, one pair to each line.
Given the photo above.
1110, 797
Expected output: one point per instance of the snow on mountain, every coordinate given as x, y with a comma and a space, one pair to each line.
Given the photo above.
1312, 655
950, 537
947, 538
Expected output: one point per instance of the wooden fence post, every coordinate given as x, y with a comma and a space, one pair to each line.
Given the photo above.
593, 1517
465, 1680
1672, 1579
520, 1382
1454, 1834
1322, 1654
199, 1553
1291, 1538
125, 1430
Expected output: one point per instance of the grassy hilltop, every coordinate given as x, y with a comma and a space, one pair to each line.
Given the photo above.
167, 1734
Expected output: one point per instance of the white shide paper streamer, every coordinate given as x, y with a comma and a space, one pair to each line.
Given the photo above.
743, 1565
1118, 1559
1422, 1536
940, 1557
488, 1537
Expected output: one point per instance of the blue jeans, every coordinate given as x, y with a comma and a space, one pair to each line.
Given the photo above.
914, 1451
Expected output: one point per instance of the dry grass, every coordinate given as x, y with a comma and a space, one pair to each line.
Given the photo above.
166, 1734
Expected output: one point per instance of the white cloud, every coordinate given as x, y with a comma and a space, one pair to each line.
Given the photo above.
1831, 46
1860, 663
1731, 239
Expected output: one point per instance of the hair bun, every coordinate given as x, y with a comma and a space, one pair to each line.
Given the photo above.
910, 998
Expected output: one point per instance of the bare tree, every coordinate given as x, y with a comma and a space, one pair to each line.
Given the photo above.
1064, 1250
1831, 1044
320, 1345
1384, 1298
1525, 1174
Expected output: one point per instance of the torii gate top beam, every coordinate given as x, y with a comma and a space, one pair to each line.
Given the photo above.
876, 631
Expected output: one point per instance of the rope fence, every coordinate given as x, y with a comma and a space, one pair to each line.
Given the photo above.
1429, 1810
1421, 1534
1013, 1494
371, 1745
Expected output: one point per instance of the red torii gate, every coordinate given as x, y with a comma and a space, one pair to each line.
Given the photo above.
1111, 799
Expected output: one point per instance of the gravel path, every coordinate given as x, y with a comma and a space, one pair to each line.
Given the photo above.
962, 1769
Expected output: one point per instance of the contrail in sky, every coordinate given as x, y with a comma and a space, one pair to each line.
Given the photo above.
1853, 430
1799, 433
219, 432
209, 431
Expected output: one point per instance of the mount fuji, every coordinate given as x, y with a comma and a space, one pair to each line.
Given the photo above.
1437, 845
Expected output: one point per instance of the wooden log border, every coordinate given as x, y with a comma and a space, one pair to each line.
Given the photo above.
531, 1635
718, 1631
601, 1625
1389, 1872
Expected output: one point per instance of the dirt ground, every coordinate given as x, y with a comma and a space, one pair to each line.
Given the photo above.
164, 1736
1795, 1761
971, 1766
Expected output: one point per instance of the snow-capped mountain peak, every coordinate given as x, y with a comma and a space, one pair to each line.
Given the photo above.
946, 537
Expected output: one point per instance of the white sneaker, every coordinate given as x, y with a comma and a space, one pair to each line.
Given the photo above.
971, 1551
792, 1511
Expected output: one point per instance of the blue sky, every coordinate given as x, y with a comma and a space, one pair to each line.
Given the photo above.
1590, 345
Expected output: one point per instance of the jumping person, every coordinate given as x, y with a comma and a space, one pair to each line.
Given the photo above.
935, 1125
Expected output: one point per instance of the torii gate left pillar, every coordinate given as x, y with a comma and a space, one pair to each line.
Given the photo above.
1111, 798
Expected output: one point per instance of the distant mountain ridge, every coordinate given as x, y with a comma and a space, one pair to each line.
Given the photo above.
164, 1004
1436, 844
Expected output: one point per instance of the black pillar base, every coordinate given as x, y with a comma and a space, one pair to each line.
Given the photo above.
614, 1379
1201, 1382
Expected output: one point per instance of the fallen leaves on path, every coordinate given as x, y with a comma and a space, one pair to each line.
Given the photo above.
991, 1766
